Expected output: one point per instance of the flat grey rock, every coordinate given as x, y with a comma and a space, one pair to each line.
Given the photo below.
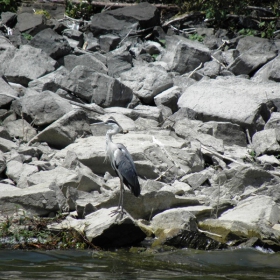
42, 108
103, 229
25, 64
236, 100
65, 130
254, 210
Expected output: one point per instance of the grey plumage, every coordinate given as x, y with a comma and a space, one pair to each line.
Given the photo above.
121, 161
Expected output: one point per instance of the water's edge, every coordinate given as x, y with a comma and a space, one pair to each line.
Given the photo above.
179, 264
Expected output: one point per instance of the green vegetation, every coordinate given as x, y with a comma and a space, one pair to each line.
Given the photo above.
196, 37
8, 5
252, 153
261, 16
162, 42
43, 12
154, 56
251, 156
247, 32
27, 36
267, 29
25, 232
83, 10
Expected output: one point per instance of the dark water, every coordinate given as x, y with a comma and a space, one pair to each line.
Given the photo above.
180, 264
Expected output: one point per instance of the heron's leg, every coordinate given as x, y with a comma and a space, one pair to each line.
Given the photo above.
121, 197
120, 210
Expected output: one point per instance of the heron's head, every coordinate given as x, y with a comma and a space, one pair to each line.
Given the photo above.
113, 125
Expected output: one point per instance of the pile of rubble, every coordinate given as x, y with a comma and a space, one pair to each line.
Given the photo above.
202, 119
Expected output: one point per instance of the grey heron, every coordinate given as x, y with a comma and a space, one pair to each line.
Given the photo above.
121, 162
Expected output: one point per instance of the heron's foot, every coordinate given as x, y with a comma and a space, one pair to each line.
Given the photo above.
119, 212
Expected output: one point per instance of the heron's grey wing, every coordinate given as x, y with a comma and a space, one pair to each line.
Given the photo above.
125, 166
122, 147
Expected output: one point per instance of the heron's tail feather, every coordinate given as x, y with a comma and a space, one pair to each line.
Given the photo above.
135, 189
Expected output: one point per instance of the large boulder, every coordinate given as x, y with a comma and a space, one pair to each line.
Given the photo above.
6, 93
48, 82
151, 114
9, 19
184, 55
121, 21
200, 211
153, 200
188, 129
169, 98
65, 130
108, 42
69, 223
241, 181
20, 129
73, 34
118, 63
4, 133
130, 113
269, 72
273, 122
231, 99
230, 133
37, 200
178, 218
254, 53
253, 211
197, 179
226, 231
42, 108
266, 141
5, 43
81, 178
148, 112
152, 157
71, 61
25, 64
178, 227
95, 87
147, 81
18, 171
91, 43
104, 230
104, 23
30, 23
7, 145
211, 69
249, 63
52, 43
255, 45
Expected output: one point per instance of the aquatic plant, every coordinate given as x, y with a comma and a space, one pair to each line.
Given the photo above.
24, 232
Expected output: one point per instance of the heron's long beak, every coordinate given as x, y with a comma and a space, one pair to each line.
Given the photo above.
99, 123
123, 131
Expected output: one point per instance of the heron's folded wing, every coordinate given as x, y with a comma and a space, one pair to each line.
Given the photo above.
125, 166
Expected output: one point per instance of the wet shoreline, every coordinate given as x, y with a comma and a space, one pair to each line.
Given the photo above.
120, 264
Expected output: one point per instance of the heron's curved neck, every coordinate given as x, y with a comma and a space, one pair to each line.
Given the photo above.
108, 137
110, 133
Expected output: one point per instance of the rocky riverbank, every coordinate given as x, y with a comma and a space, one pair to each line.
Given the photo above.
203, 126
